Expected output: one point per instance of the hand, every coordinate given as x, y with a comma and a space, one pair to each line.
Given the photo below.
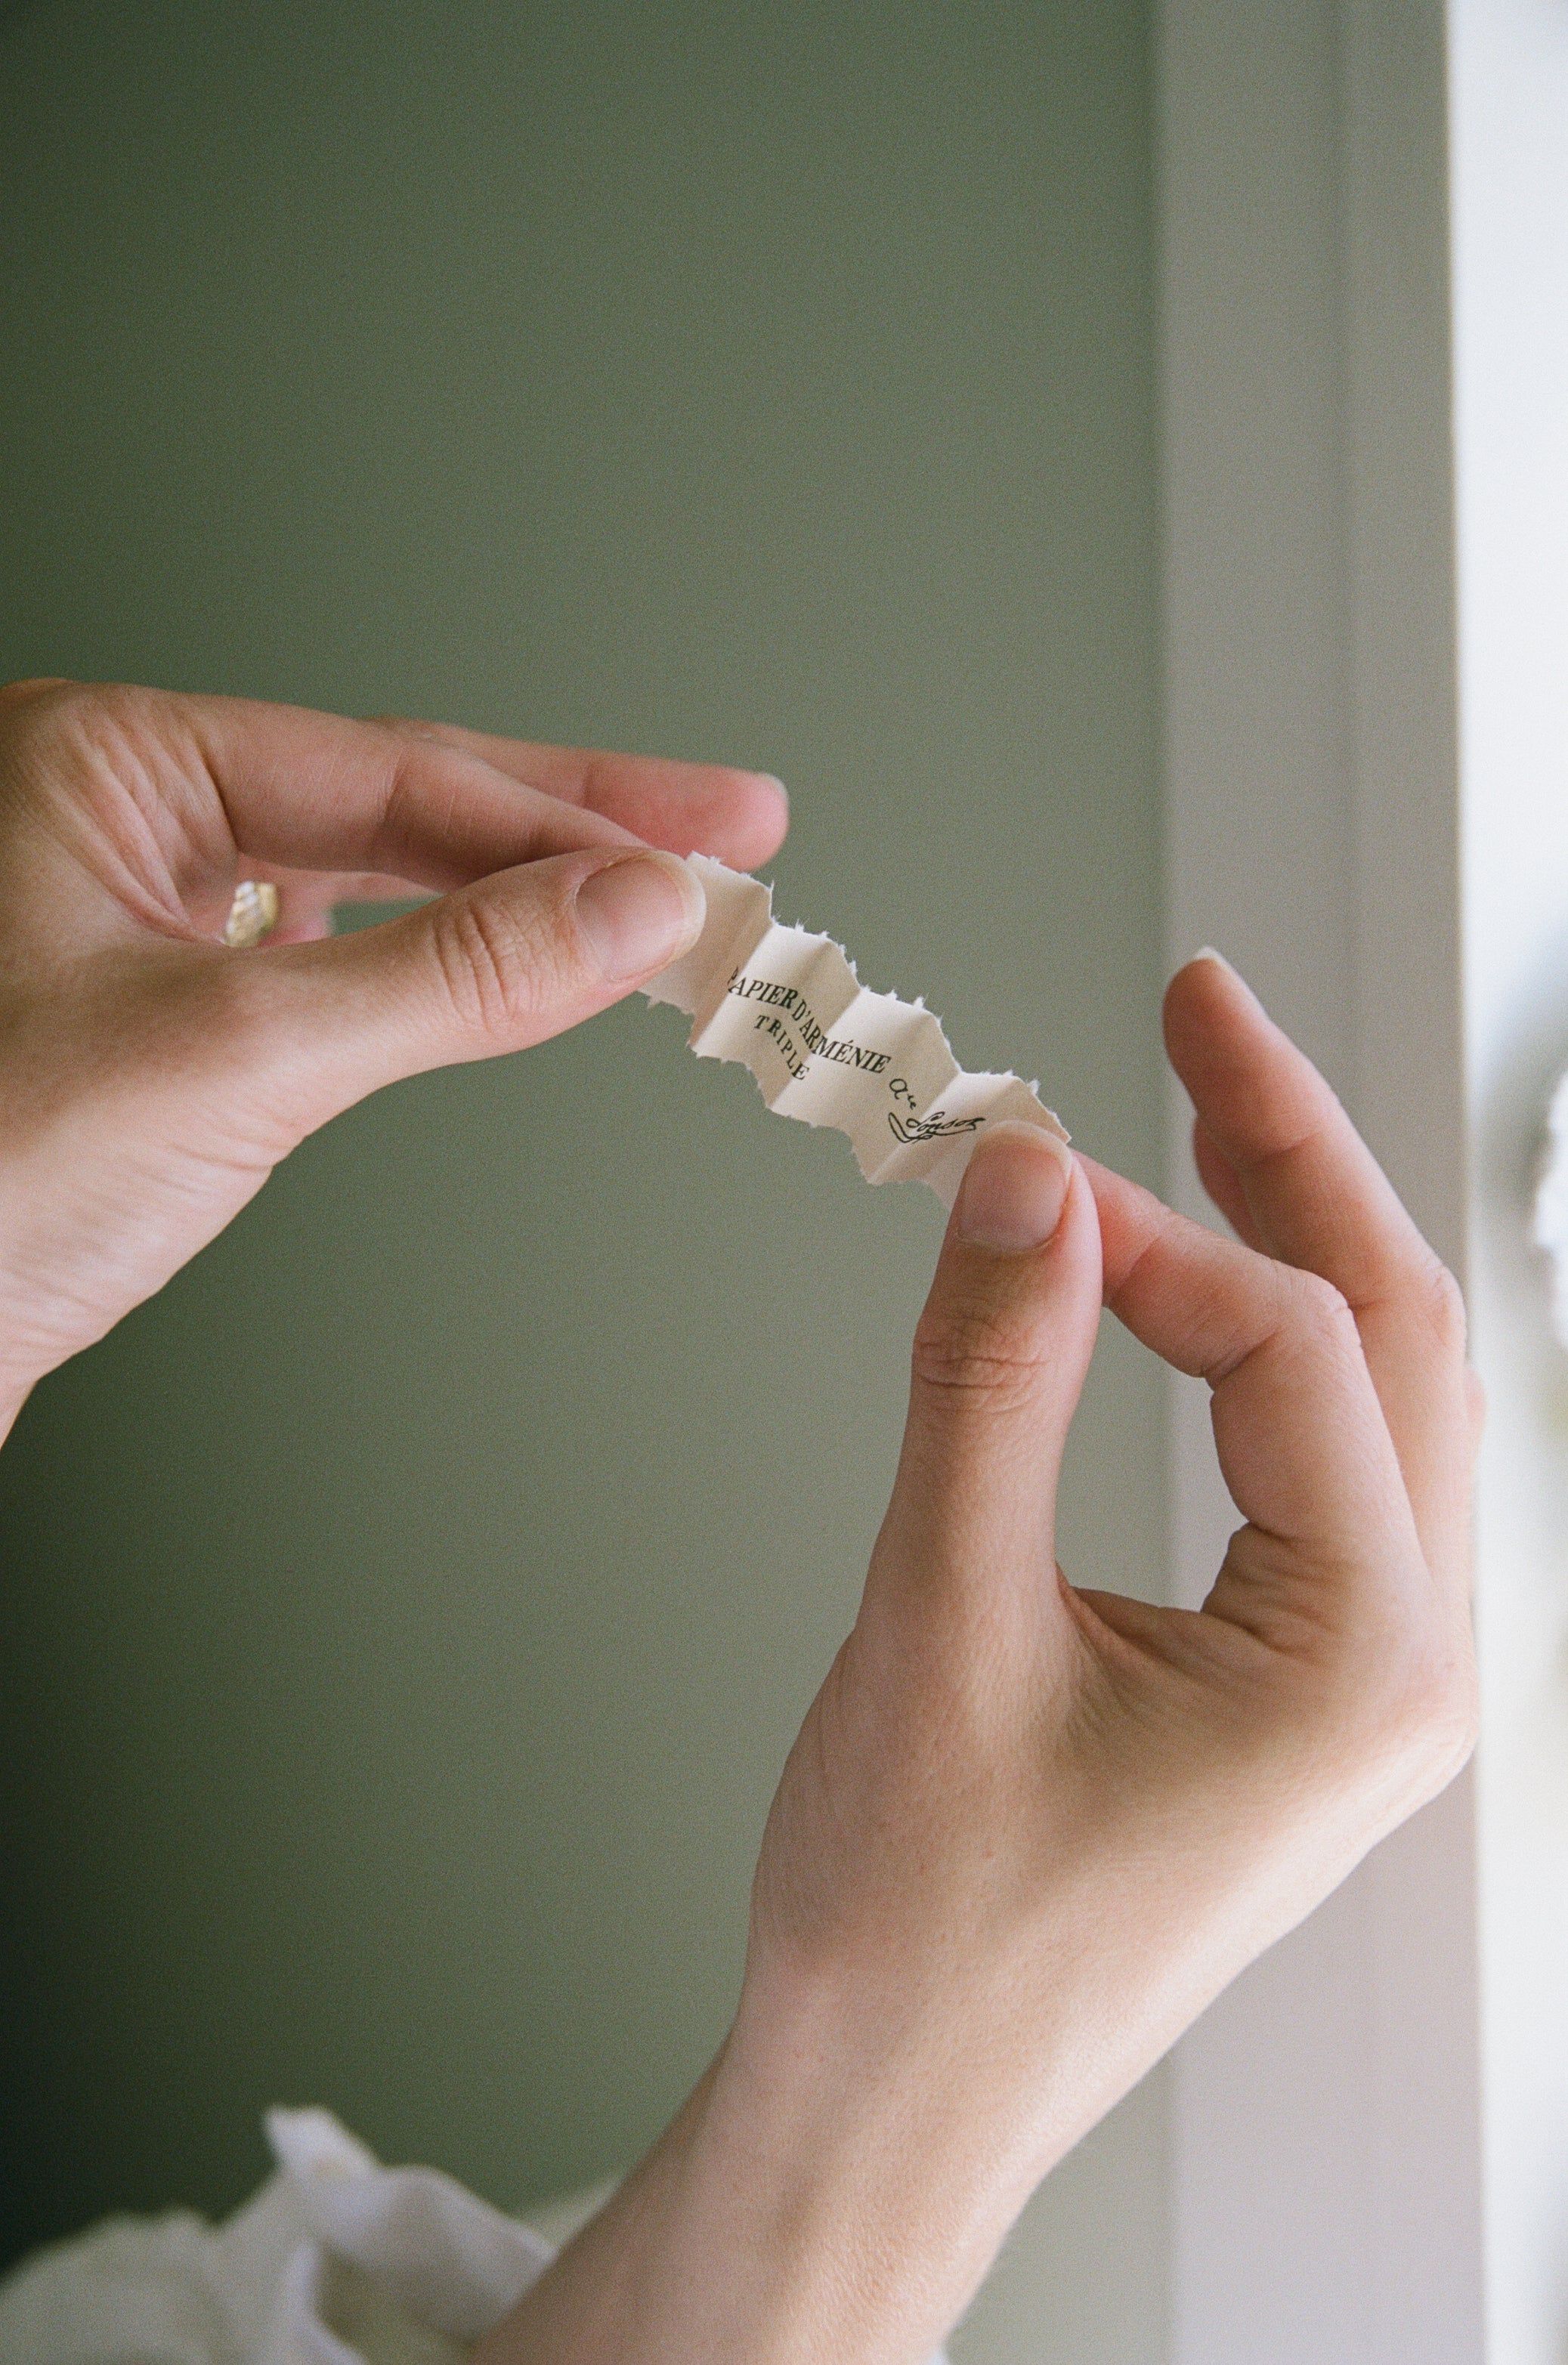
1028, 1831
150, 1079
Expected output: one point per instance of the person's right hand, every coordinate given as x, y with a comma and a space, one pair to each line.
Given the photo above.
151, 1078
1029, 1830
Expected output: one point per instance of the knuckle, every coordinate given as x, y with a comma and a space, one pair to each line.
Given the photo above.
1439, 1716
30, 689
412, 726
105, 707
43, 711
1413, 1725
975, 1355
1325, 1306
424, 797
92, 728
497, 966
390, 720
1442, 1302
1322, 1318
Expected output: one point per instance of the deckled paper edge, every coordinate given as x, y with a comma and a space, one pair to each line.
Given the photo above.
678, 987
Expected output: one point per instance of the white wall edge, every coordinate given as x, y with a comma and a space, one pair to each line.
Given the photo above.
1508, 68
1325, 2165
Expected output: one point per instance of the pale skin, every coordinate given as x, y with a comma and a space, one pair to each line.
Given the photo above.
1029, 1828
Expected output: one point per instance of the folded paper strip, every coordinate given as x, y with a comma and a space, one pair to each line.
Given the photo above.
823, 1047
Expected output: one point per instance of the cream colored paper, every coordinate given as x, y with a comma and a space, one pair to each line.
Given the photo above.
823, 1047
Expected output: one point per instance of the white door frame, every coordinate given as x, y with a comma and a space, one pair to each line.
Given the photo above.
1363, 212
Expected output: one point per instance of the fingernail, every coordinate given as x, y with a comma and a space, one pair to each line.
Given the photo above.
1013, 1190
1208, 953
639, 914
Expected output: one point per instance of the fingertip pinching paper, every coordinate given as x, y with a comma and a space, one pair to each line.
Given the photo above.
826, 1050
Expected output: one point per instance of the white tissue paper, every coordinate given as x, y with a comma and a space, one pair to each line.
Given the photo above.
1551, 1229
825, 1048
336, 2261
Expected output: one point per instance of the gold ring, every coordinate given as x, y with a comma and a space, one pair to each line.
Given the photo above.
253, 914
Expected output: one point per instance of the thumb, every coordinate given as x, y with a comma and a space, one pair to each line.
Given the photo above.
1000, 1358
492, 966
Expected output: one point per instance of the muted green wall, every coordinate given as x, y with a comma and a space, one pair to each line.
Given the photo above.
407, 1614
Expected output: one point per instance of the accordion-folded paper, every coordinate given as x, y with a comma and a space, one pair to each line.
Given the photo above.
825, 1048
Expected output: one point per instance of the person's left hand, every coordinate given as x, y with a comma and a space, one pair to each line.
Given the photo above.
151, 1078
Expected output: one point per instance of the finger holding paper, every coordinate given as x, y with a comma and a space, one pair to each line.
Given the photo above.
150, 1076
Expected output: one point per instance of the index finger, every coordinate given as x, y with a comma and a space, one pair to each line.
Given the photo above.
738, 816
1303, 1444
